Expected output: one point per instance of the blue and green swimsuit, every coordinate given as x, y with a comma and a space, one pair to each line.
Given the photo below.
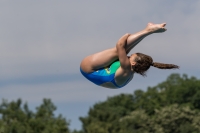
104, 75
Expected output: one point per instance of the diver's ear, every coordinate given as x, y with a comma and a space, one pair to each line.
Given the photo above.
133, 63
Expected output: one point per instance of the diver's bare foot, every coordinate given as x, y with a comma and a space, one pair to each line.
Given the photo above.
156, 28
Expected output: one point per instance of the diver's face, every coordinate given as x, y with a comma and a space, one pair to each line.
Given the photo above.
132, 59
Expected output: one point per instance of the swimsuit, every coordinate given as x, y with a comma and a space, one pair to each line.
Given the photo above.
104, 75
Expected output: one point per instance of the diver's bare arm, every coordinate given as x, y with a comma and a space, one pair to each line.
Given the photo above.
124, 61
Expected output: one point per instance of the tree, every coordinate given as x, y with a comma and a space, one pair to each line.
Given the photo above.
18, 119
175, 90
104, 117
170, 119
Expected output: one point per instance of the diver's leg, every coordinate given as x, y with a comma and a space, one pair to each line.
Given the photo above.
99, 60
134, 39
106, 57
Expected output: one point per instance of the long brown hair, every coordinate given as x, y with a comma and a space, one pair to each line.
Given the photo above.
143, 63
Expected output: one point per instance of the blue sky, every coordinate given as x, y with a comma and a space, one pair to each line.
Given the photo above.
43, 42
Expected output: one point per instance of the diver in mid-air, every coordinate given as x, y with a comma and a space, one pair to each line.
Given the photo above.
112, 68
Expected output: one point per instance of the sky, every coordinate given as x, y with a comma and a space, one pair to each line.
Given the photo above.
43, 42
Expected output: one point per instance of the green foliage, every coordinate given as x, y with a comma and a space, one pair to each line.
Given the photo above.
171, 106
104, 116
178, 118
136, 122
18, 119
75, 131
170, 119
175, 90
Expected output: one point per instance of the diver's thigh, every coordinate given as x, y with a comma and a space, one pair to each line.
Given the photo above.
99, 60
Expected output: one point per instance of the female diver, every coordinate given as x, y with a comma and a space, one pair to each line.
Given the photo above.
112, 68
